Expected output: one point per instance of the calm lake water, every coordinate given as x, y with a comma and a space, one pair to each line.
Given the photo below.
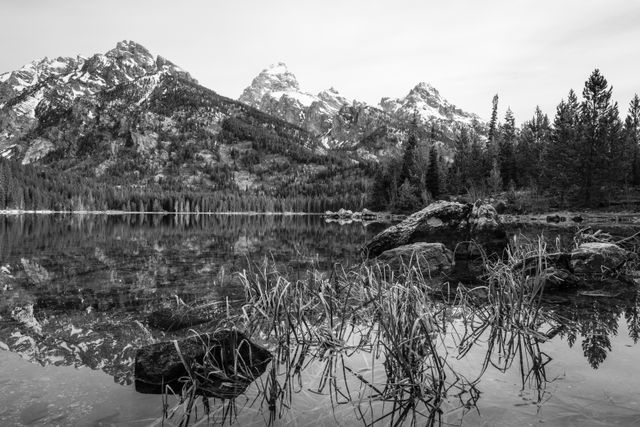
93, 280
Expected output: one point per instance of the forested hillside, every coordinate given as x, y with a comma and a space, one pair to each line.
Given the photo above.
176, 147
586, 156
129, 131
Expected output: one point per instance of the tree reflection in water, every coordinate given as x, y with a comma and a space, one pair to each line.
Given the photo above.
595, 320
398, 388
108, 274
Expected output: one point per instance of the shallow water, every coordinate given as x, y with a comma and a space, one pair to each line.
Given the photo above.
104, 274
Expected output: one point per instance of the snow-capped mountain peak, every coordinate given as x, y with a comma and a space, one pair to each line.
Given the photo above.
340, 122
425, 101
48, 84
274, 82
279, 68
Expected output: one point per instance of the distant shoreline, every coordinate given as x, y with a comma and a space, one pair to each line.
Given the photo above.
116, 212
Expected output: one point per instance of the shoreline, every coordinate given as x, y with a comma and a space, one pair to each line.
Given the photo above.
18, 212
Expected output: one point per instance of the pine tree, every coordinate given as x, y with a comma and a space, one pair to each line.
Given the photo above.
409, 167
531, 145
506, 156
632, 136
495, 180
599, 137
560, 168
407, 199
459, 173
493, 123
379, 196
477, 164
433, 174
493, 127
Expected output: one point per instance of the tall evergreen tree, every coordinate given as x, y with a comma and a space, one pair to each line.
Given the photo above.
477, 164
632, 136
409, 170
407, 199
495, 180
433, 174
506, 142
531, 144
493, 123
459, 173
560, 168
599, 137
491, 149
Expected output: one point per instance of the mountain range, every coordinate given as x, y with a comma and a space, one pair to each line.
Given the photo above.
344, 123
128, 117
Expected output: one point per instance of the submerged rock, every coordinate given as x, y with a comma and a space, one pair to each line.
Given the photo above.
590, 264
432, 258
225, 363
442, 221
598, 258
484, 218
181, 317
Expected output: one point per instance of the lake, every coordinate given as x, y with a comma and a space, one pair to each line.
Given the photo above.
93, 280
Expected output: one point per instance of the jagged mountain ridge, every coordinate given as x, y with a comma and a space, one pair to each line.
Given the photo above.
344, 123
55, 83
148, 122
129, 118
276, 91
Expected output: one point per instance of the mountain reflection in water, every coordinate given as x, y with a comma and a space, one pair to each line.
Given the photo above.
94, 280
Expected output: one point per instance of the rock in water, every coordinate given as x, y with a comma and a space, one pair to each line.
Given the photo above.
432, 258
591, 264
484, 219
181, 317
439, 218
556, 218
597, 258
442, 221
224, 363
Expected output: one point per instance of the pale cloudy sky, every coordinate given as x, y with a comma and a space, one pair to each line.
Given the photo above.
529, 52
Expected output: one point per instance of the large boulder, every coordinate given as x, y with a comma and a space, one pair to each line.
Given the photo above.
431, 258
441, 221
224, 362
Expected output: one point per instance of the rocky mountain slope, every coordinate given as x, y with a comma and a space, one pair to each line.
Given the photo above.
127, 117
349, 124
41, 87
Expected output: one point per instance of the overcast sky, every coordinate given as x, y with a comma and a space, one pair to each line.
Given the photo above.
529, 52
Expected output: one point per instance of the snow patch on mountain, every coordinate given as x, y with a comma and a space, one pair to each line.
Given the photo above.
28, 106
426, 101
304, 99
341, 123
80, 76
